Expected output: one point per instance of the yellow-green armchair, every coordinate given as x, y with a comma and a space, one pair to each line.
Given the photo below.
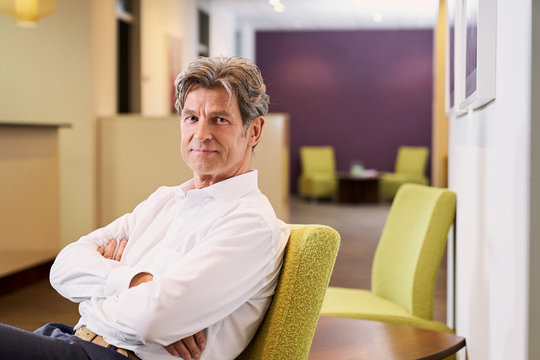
288, 327
318, 178
406, 263
410, 167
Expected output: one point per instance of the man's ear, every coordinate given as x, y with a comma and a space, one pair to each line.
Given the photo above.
255, 131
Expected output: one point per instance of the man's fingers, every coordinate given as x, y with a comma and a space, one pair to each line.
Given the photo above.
200, 339
182, 350
120, 249
189, 347
113, 250
109, 249
171, 350
192, 347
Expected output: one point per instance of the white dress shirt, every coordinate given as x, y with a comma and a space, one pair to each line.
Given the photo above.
215, 254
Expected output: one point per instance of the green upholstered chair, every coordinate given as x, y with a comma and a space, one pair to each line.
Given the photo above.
288, 327
410, 167
318, 178
406, 262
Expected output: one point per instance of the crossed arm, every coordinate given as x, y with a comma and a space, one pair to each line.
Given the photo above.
190, 290
187, 348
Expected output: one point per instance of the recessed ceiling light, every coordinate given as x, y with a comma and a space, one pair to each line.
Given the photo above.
279, 7
377, 17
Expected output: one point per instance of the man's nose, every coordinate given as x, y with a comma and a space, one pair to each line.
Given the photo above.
203, 131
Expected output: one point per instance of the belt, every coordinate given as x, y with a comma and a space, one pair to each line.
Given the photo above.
88, 335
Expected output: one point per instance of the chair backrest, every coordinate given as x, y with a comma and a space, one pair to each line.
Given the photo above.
317, 160
412, 160
288, 327
411, 246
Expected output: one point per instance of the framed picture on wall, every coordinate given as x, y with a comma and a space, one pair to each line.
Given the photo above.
174, 59
450, 56
478, 28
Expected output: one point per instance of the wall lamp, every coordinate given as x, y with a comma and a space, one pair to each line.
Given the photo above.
27, 12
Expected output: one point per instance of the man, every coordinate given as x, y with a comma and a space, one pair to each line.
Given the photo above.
191, 271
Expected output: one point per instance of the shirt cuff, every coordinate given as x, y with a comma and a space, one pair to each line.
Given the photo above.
119, 279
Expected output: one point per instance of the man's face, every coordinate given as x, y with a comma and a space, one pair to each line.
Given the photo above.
215, 144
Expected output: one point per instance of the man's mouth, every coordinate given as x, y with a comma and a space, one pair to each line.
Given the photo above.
203, 151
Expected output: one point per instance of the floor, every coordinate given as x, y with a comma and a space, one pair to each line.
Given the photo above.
359, 226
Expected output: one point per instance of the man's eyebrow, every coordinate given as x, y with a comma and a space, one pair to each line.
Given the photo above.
214, 113
188, 112
224, 113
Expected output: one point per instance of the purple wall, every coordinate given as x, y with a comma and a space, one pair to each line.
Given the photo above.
363, 92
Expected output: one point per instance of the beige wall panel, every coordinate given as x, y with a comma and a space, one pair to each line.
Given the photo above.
136, 156
29, 196
139, 154
271, 159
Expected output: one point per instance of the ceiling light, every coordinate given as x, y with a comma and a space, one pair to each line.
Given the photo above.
273, 2
377, 17
279, 7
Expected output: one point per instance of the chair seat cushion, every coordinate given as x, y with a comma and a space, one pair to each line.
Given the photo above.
318, 185
362, 304
403, 178
321, 177
389, 183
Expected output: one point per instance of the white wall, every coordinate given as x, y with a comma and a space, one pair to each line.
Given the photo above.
222, 31
247, 42
489, 168
46, 76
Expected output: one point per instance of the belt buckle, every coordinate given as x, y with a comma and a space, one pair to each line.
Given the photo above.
88, 335
85, 334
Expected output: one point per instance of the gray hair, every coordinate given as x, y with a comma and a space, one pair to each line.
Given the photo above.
238, 76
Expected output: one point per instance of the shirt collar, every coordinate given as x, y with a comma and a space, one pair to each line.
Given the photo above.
229, 189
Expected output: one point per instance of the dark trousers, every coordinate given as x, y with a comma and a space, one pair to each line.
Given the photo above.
50, 342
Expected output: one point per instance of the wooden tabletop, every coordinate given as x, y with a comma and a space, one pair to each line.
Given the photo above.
344, 339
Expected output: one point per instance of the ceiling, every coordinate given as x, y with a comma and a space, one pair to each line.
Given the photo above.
333, 14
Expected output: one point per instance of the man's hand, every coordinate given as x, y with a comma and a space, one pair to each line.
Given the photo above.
140, 278
188, 348
112, 251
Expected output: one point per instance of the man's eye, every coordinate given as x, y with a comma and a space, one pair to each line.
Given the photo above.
191, 118
222, 120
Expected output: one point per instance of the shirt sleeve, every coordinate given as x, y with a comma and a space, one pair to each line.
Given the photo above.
80, 273
237, 257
